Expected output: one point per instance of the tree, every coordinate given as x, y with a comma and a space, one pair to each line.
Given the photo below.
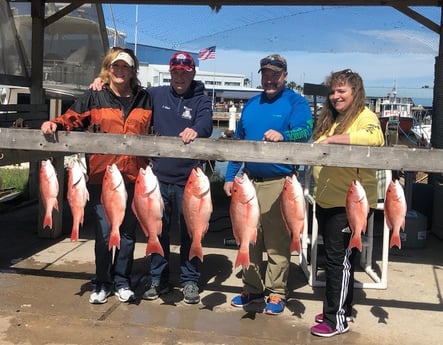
293, 86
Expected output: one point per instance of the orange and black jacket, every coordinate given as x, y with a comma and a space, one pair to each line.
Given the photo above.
102, 112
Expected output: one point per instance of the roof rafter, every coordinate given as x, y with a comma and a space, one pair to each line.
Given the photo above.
393, 3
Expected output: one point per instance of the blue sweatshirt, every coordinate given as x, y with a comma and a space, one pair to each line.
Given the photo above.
287, 113
172, 113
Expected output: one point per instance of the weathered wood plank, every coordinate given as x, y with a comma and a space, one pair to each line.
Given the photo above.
8, 157
395, 158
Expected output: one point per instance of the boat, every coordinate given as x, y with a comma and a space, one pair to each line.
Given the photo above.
421, 130
395, 112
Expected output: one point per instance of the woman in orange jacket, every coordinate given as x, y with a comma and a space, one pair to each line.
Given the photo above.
122, 107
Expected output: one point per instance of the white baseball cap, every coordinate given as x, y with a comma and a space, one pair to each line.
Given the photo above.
124, 57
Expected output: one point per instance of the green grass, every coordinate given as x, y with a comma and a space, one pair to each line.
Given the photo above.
15, 178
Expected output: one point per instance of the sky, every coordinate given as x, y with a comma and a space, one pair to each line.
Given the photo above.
383, 45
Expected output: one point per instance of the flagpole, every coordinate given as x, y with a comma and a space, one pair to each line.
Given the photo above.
213, 84
209, 53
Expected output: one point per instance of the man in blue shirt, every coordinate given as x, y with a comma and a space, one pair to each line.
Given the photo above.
277, 114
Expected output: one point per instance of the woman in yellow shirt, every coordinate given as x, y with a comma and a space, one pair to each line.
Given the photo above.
346, 120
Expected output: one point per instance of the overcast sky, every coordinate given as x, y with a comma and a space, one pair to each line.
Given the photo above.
380, 43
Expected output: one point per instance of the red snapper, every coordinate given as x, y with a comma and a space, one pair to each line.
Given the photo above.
197, 209
245, 213
77, 195
113, 198
293, 207
48, 190
395, 209
148, 208
357, 209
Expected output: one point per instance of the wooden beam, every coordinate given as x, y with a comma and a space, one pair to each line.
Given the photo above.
261, 2
395, 158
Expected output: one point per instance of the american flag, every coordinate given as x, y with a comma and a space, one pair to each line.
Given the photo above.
207, 53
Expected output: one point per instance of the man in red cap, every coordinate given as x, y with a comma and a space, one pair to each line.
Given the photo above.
180, 109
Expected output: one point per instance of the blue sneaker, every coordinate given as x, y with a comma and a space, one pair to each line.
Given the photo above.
246, 298
275, 305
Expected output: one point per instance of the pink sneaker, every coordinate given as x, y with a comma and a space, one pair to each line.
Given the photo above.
319, 318
324, 330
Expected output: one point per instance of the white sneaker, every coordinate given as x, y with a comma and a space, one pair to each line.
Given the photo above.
99, 296
125, 295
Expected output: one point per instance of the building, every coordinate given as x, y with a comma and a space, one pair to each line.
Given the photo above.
223, 88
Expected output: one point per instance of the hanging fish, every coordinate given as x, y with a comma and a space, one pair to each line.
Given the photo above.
395, 209
48, 190
197, 209
357, 209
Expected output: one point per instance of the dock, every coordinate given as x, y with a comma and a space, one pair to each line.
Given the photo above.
221, 119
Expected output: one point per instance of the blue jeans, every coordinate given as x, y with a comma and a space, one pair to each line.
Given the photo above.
113, 271
173, 220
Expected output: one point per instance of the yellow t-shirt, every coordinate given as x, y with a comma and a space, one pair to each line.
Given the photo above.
332, 183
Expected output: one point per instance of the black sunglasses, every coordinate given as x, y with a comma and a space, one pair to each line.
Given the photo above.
272, 62
345, 71
126, 50
185, 62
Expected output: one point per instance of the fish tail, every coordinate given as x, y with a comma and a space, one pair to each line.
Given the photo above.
74, 233
395, 240
242, 259
47, 220
295, 246
196, 250
114, 240
154, 247
355, 243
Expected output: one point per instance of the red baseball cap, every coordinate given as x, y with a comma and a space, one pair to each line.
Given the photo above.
182, 60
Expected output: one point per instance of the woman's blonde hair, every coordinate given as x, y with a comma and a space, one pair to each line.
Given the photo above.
106, 64
328, 113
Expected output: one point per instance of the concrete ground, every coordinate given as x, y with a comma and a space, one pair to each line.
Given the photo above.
45, 286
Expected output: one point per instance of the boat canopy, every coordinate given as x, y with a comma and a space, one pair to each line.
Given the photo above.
73, 45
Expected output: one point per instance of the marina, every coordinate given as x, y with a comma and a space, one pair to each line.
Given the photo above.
46, 279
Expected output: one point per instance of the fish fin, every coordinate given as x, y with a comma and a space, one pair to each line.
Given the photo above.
47, 221
74, 234
196, 250
388, 222
365, 225
403, 225
355, 243
395, 240
154, 247
295, 246
114, 240
242, 259
56, 204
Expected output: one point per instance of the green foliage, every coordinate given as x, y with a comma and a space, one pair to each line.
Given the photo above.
15, 178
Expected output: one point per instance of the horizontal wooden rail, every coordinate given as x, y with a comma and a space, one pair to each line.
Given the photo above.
394, 158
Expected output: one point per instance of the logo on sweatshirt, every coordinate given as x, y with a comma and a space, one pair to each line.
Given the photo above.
187, 113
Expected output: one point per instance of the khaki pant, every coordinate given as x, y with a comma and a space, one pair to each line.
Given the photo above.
273, 239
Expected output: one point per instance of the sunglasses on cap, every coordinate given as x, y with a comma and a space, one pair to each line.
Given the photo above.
185, 62
272, 62
126, 50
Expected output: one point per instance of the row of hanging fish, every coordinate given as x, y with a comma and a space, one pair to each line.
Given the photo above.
147, 203
245, 213
77, 194
357, 209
